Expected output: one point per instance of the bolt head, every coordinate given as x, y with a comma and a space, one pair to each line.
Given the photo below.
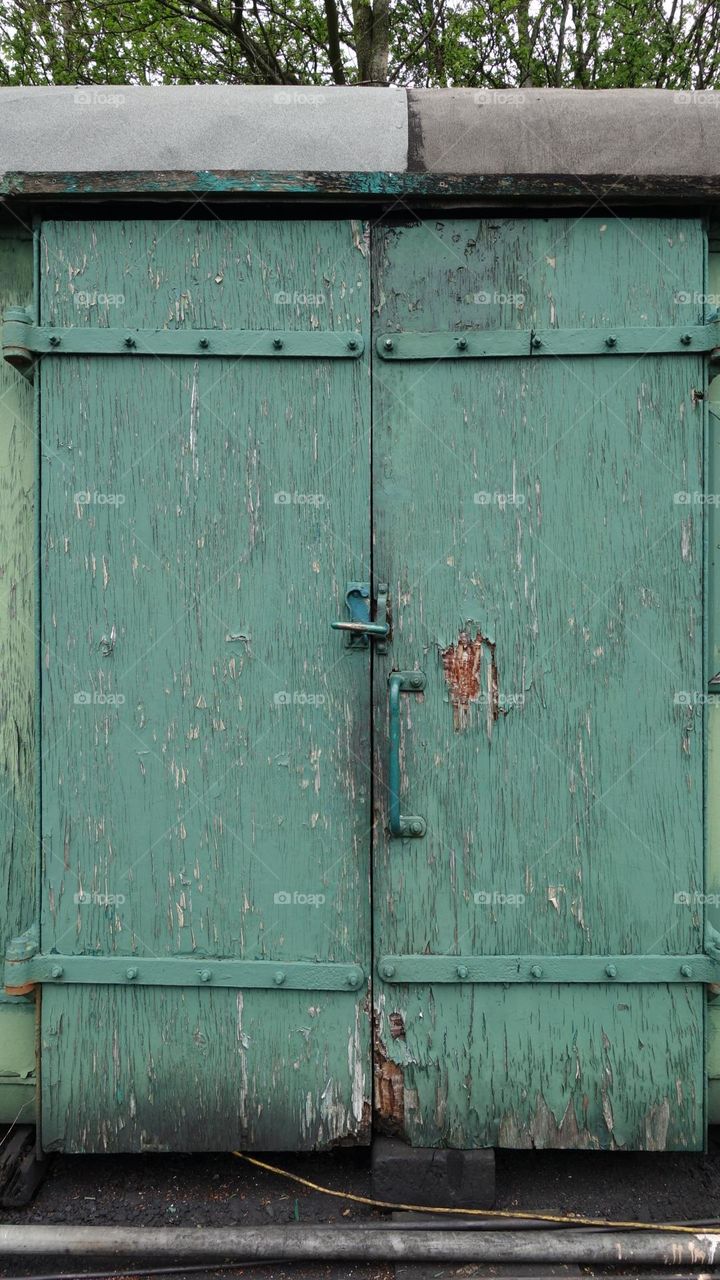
278, 344
416, 828
536, 971
354, 978
388, 971
611, 341
686, 339
461, 344
611, 970
205, 975
537, 343
278, 978
54, 340
129, 342
56, 971
388, 344
130, 974
352, 344
416, 682
462, 971
686, 971
204, 343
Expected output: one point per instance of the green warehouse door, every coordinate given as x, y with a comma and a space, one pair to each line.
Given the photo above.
206, 796
546, 578
518, 758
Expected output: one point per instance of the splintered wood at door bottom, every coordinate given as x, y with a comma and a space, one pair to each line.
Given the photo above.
557, 1067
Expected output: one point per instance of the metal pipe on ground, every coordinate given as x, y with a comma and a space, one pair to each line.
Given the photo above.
182, 1270
364, 1243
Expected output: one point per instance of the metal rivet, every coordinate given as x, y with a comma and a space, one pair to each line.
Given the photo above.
56, 971
686, 971
354, 978
686, 339
54, 340
611, 341
536, 971
205, 975
388, 344
204, 343
461, 344
462, 971
352, 344
278, 344
611, 971
537, 343
130, 974
388, 971
279, 978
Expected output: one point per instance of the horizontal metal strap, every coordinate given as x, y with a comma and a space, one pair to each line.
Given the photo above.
479, 344
179, 971
428, 970
23, 342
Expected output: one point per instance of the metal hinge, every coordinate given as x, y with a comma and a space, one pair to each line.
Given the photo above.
479, 344
26, 967
23, 342
430, 970
20, 953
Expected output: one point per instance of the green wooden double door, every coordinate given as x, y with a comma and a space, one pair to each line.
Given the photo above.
260, 424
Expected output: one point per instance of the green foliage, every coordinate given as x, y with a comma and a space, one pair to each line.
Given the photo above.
576, 43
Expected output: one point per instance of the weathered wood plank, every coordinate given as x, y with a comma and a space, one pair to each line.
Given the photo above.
18, 648
205, 733
18, 678
547, 579
162, 1069
626, 188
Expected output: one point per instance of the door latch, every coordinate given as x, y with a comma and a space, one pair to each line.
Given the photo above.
360, 626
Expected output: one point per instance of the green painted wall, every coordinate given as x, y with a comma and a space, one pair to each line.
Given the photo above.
713, 710
17, 736
17, 678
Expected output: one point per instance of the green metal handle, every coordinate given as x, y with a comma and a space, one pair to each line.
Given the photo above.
403, 826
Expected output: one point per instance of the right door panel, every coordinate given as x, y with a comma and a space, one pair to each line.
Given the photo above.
547, 580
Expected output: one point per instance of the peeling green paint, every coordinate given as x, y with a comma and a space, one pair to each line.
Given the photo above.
607, 1065
205, 731
549, 187
17, 682
538, 499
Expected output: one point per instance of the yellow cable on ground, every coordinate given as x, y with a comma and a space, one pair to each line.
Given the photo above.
469, 1213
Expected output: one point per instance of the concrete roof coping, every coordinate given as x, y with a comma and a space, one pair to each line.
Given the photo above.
196, 127
544, 139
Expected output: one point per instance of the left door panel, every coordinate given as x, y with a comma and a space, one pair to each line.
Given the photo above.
205, 755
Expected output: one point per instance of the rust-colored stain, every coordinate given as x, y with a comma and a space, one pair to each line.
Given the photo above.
24, 990
465, 673
389, 1091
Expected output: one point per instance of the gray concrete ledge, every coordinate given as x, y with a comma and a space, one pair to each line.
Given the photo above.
197, 127
642, 132
225, 138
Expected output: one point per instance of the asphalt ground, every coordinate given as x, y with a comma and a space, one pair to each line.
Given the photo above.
218, 1190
